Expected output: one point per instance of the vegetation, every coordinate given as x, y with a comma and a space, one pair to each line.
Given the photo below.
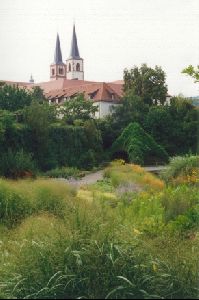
65, 172
147, 83
140, 146
182, 170
107, 240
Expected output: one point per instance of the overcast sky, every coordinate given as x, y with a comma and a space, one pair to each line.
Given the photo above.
112, 35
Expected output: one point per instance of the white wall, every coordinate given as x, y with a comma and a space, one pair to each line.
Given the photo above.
75, 74
104, 108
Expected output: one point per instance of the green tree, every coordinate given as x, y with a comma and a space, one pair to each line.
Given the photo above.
132, 109
192, 71
159, 124
147, 83
38, 94
13, 98
78, 108
38, 118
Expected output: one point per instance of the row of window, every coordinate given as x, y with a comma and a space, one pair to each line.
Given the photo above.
61, 70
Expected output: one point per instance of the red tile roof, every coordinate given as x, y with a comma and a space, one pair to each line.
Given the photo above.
98, 91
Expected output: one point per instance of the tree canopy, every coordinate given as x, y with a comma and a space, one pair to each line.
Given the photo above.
78, 108
147, 83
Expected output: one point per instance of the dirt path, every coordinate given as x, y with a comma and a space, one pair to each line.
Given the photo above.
94, 177
88, 179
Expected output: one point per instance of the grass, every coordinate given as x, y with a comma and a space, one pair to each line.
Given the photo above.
182, 170
65, 172
99, 242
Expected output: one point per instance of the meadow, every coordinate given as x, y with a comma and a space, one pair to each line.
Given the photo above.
130, 236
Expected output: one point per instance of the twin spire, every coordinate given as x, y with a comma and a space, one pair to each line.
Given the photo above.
73, 68
58, 54
74, 52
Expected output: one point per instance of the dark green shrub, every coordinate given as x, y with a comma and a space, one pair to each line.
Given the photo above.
17, 165
140, 146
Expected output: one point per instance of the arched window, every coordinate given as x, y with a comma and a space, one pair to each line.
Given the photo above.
78, 67
69, 67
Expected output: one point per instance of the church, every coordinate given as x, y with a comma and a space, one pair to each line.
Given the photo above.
67, 80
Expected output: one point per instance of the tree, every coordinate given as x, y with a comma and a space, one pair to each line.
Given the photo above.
38, 94
38, 118
193, 72
132, 109
78, 108
13, 98
159, 124
140, 146
147, 83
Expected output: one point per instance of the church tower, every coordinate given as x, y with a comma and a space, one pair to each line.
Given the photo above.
74, 64
58, 68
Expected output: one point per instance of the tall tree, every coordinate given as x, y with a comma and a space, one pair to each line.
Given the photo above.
13, 98
78, 108
147, 83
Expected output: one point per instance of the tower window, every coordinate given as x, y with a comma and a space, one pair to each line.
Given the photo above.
69, 67
53, 72
78, 67
60, 71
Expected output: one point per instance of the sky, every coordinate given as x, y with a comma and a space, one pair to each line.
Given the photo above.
112, 35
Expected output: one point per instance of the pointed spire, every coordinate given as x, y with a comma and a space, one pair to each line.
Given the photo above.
74, 53
58, 54
31, 79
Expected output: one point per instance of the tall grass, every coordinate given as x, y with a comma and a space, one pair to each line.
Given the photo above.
24, 198
183, 169
68, 245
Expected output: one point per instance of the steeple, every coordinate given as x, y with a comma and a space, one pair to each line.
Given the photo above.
31, 79
74, 64
58, 54
74, 52
58, 68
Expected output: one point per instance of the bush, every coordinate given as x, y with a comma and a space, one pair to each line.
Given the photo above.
177, 201
140, 146
182, 169
65, 172
17, 165
13, 206
21, 199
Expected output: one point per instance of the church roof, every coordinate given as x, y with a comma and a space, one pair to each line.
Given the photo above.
97, 91
58, 54
74, 52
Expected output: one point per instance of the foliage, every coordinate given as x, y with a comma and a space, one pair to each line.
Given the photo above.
13, 98
17, 165
64, 172
70, 246
21, 199
139, 145
38, 118
38, 94
132, 109
120, 173
192, 71
184, 169
78, 108
147, 83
